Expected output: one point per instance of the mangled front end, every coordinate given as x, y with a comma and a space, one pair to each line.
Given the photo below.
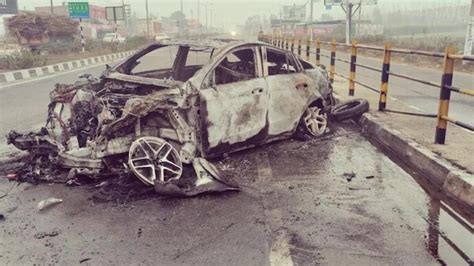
118, 125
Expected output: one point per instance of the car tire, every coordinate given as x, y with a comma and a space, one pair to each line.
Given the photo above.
348, 110
313, 124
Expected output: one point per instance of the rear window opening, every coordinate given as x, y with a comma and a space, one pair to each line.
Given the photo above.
280, 63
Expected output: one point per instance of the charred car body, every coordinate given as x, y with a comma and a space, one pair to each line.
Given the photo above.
173, 105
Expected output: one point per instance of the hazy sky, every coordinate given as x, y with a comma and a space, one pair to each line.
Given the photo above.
232, 12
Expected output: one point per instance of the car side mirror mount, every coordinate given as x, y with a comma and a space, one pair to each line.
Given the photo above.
107, 67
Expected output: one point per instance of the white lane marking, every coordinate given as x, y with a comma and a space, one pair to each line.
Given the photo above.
2, 87
280, 249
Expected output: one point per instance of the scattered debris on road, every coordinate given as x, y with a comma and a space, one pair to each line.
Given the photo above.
12, 176
44, 204
42, 235
12, 209
349, 176
84, 260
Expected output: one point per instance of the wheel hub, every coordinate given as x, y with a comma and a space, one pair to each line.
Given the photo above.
316, 123
153, 159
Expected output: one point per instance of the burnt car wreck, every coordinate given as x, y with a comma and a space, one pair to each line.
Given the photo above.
163, 112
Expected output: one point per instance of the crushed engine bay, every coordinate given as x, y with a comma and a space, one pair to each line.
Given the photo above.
97, 129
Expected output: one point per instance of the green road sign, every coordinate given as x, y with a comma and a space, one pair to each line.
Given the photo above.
78, 9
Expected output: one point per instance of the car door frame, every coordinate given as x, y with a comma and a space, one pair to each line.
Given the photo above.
285, 123
208, 87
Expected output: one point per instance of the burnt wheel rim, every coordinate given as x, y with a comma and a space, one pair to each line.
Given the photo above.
153, 160
315, 122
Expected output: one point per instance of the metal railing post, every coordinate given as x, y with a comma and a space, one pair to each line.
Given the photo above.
308, 49
318, 52
444, 96
332, 68
293, 45
299, 47
385, 76
352, 75
287, 40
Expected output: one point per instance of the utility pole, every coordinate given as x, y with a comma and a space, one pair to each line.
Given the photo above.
212, 19
125, 16
181, 20
199, 18
147, 21
311, 4
52, 9
348, 22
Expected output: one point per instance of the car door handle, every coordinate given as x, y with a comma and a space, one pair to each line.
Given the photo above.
304, 85
257, 91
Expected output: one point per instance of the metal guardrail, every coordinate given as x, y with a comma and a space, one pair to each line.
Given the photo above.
445, 86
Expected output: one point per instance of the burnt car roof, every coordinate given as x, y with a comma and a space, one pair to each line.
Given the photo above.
220, 46
211, 43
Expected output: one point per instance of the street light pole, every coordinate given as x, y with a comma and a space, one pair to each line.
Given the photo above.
147, 21
348, 10
125, 20
212, 19
52, 9
199, 18
181, 20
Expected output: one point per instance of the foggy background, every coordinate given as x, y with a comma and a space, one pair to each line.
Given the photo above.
235, 12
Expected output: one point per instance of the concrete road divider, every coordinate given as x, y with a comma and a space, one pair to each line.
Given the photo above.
30, 73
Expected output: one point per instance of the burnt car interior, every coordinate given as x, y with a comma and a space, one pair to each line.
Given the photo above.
280, 63
171, 62
237, 66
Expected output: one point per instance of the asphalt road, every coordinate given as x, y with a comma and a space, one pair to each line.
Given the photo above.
296, 207
423, 97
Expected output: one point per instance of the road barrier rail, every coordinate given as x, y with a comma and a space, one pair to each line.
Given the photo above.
446, 86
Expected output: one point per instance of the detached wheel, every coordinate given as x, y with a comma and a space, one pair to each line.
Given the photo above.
153, 159
312, 124
348, 110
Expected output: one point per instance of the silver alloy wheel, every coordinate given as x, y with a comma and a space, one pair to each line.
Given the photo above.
154, 159
315, 122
